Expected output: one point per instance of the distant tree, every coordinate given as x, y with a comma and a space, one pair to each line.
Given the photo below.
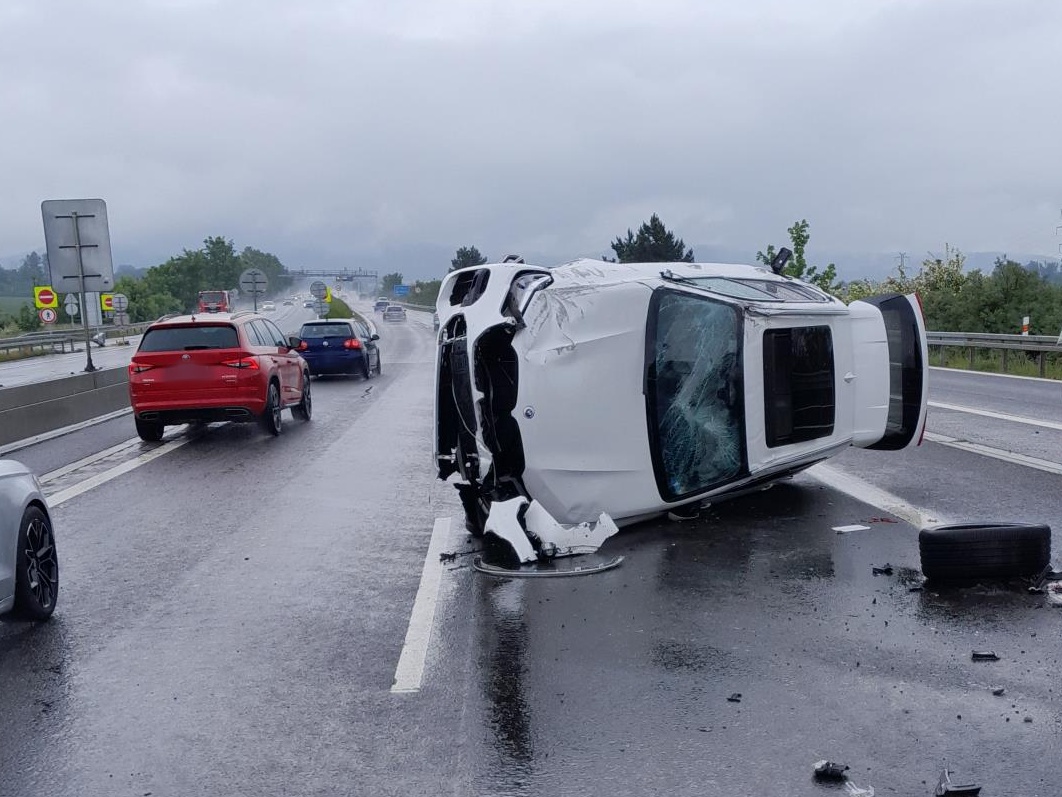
466, 257
269, 264
798, 265
32, 272
425, 292
389, 281
654, 243
144, 305
220, 265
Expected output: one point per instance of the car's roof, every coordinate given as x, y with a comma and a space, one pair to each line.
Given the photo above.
327, 321
206, 318
586, 272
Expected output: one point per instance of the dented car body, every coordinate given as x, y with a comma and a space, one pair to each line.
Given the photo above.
576, 399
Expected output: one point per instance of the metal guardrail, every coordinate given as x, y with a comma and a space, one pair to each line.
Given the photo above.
65, 340
45, 341
1041, 345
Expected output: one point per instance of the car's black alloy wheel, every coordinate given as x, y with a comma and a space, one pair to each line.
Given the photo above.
37, 574
271, 418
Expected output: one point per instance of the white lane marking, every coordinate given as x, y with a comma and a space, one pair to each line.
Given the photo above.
63, 496
18, 445
986, 373
875, 496
410, 671
998, 415
996, 453
51, 476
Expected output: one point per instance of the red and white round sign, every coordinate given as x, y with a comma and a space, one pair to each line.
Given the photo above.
47, 315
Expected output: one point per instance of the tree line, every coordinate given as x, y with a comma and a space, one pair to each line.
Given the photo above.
174, 286
953, 299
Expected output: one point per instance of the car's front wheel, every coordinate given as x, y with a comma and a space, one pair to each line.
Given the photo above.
150, 431
37, 567
271, 419
304, 409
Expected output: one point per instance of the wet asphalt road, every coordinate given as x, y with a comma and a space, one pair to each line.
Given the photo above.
232, 613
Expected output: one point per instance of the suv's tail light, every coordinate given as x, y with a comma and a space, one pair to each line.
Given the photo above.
243, 362
139, 368
303, 345
351, 343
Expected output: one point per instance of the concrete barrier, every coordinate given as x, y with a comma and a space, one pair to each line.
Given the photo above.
29, 410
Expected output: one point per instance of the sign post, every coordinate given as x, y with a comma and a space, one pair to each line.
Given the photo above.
120, 303
79, 251
254, 281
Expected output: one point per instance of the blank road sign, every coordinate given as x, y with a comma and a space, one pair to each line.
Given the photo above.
254, 281
73, 227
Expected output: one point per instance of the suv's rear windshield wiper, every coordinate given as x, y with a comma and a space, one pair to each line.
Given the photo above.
199, 347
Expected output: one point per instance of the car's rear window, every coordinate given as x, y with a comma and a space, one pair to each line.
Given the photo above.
798, 384
199, 336
325, 331
694, 394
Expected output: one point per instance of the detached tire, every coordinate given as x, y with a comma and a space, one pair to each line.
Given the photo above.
972, 552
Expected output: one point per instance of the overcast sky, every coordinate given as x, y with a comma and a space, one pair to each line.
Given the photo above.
374, 133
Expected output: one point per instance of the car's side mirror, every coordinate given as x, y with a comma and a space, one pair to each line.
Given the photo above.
374, 336
294, 342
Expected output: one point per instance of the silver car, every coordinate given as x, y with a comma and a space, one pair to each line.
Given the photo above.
29, 566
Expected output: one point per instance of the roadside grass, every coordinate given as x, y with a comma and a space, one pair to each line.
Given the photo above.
20, 354
9, 305
339, 309
991, 361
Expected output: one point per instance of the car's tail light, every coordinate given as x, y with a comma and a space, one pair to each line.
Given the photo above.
243, 362
351, 343
303, 345
139, 368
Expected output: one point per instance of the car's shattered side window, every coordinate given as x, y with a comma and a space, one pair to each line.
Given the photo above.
695, 395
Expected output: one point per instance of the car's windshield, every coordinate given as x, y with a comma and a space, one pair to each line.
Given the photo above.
310, 331
211, 296
186, 338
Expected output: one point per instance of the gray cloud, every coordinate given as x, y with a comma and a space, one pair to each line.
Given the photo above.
359, 132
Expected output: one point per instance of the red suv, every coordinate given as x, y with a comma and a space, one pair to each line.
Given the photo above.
219, 367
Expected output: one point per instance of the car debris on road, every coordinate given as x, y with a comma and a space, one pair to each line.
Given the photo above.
946, 787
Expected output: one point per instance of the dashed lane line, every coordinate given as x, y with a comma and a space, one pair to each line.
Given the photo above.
1002, 416
996, 453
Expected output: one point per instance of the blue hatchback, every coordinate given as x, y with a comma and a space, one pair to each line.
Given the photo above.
340, 346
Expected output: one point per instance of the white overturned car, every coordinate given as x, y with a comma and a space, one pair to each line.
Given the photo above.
575, 399
29, 567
